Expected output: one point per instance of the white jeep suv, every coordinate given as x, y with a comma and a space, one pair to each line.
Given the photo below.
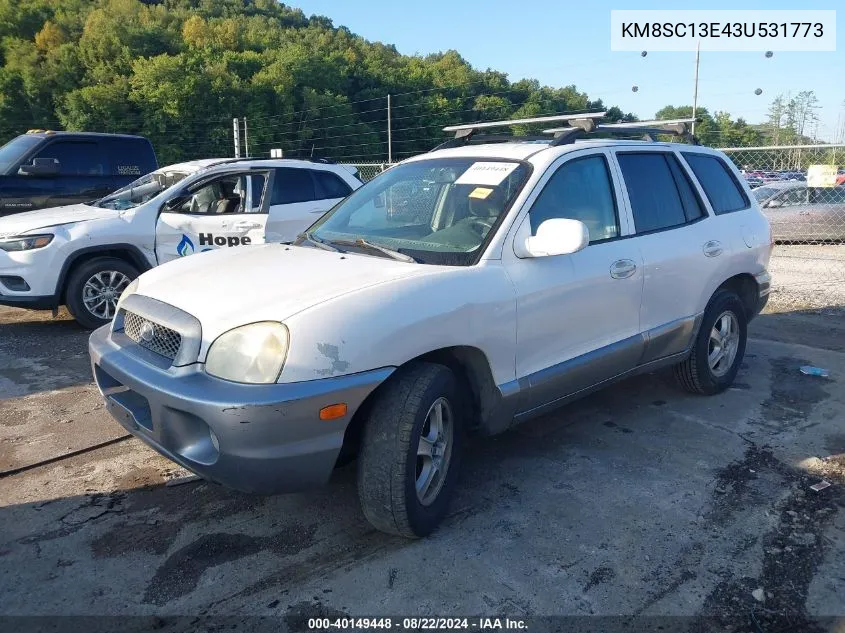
464, 290
84, 255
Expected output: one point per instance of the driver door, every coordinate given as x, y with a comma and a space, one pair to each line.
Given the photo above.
223, 211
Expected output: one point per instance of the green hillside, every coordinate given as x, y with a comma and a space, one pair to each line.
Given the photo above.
177, 71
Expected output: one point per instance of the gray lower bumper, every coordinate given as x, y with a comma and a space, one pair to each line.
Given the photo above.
254, 438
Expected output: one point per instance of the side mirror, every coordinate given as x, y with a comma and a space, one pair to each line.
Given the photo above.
558, 236
40, 167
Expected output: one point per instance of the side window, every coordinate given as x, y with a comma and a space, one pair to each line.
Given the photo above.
794, 197
128, 156
580, 189
718, 182
76, 158
654, 193
226, 194
330, 186
292, 185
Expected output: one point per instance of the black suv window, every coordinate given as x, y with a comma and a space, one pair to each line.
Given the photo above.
330, 186
660, 193
718, 182
292, 185
76, 158
580, 189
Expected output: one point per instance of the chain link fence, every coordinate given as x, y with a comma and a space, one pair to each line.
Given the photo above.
368, 171
808, 222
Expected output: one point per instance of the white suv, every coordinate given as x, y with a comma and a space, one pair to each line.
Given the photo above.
84, 255
467, 289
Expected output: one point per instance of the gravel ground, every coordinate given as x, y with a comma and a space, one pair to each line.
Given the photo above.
807, 276
640, 501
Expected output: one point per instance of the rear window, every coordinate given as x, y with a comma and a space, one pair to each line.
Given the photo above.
718, 182
660, 197
129, 156
292, 185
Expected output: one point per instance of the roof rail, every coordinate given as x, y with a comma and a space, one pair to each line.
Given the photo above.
464, 132
650, 129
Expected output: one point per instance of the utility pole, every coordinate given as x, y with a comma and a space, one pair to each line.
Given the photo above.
389, 134
236, 132
695, 90
246, 138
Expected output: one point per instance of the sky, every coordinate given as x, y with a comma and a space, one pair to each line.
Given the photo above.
563, 42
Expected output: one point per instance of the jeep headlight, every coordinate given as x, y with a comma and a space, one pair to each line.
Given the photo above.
25, 242
252, 353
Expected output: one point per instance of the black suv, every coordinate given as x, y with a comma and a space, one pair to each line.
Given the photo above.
48, 169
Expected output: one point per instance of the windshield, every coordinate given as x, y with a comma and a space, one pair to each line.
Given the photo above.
13, 151
764, 193
140, 191
438, 211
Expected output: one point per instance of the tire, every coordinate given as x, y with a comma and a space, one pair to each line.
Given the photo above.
696, 374
77, 289
389, 466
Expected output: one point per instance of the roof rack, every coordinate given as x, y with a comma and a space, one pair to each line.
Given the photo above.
649, 129
465, 132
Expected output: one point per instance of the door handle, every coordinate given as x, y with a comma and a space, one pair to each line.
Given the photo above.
713, 248
622, 268
244, 226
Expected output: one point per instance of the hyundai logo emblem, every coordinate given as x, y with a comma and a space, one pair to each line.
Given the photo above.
147, 332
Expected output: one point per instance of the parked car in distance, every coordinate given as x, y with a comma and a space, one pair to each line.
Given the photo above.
43, 168
798, 213
83, 256
531, 275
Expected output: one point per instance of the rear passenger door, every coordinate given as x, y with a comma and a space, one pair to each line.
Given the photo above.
298, 199
682, 249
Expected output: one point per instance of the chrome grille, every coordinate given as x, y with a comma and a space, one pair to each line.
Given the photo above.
152, 336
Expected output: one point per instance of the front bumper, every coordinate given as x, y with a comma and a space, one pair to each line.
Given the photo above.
254, 438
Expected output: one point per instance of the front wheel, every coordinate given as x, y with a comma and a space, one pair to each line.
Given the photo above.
410, 451
719, 347
94, 287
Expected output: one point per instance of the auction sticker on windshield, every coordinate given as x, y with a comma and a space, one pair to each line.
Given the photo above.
486, 173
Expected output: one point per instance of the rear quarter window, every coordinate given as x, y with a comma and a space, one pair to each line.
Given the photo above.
719, 184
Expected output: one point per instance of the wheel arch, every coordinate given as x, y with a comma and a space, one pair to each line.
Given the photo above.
475, 377
748, 291
127, 252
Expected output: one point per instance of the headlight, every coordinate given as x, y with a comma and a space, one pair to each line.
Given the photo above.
252, 353
25, 242
130, 289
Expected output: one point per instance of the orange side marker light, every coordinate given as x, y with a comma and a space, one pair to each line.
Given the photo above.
333, 411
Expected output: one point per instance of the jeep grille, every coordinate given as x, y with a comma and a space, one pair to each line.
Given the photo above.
156, 338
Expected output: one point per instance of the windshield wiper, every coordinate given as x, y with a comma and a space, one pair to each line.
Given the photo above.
320, 243
394, 254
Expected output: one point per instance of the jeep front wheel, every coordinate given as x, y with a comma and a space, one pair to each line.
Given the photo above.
410, 451
94, 287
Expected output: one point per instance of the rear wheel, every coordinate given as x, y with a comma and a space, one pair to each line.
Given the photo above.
94, 287
410, 451
719, 347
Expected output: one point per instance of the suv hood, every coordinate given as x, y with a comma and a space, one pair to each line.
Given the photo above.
28, 221
231, 287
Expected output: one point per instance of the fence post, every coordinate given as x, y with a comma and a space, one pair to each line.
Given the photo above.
246, 139
236, 133
389, 134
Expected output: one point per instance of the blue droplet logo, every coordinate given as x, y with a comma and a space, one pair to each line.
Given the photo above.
185, 247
